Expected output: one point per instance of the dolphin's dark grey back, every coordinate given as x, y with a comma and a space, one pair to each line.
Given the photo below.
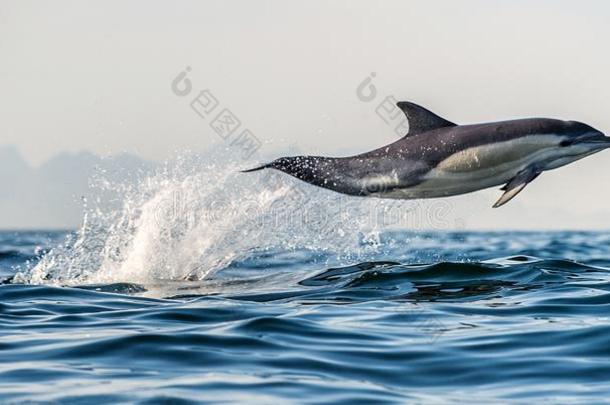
430, 140
435, 145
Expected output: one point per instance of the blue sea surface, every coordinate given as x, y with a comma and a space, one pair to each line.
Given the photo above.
439, 317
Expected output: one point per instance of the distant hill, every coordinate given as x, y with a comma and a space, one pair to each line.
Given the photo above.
50, 196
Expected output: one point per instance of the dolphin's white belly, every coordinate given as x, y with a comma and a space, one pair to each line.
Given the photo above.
477, 168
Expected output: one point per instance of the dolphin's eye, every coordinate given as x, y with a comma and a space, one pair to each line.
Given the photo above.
565, 143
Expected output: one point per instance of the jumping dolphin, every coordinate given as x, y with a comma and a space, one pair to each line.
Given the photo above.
438, 158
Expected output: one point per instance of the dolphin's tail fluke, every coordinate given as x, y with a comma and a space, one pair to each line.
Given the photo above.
256, 168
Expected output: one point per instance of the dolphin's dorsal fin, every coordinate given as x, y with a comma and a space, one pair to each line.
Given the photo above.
420, 119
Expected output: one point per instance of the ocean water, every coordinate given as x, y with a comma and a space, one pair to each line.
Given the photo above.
513, 317
173, 297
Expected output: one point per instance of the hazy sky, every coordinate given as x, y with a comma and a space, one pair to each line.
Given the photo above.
96, 75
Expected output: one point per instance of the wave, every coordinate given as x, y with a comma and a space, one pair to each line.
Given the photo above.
16, 255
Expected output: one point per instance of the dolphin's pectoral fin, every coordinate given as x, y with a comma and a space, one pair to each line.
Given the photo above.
509, 195
420, 119
515, 185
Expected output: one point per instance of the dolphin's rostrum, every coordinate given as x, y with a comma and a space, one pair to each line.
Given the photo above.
438, 158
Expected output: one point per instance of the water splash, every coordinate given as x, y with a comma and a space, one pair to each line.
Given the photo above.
194, 216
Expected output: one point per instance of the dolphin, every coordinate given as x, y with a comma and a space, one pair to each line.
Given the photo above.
437, 158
